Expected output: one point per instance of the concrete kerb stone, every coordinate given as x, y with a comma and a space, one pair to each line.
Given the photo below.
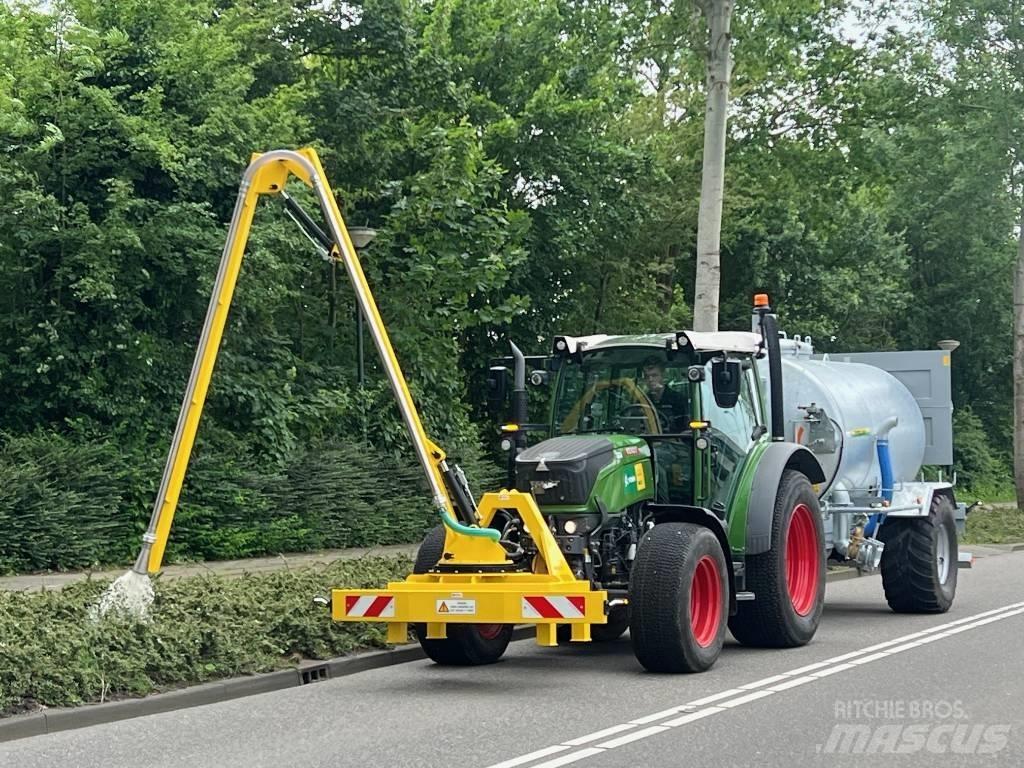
22, 726
53, 720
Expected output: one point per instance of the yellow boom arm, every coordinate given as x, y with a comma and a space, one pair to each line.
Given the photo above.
267, 174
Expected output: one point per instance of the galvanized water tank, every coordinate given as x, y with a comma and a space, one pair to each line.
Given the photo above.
856, 400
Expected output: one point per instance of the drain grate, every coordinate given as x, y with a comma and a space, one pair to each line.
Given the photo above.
314, 674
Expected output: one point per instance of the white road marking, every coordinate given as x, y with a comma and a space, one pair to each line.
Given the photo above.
635, 736
660, 715
736, 697
746, 699
810, 667
869, 658
714, 697
831, 670
571, 758
693, 716
515, 761
601, 734
793, 683
762, 683
904, 647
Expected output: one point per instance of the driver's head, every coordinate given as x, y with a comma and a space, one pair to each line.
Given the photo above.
654, 376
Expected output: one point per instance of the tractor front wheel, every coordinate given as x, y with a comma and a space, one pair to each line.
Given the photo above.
788, 581
467, 645
678, 598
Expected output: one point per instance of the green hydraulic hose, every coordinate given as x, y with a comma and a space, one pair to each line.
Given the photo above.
467, 530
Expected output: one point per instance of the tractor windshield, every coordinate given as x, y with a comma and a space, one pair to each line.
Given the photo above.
625, 389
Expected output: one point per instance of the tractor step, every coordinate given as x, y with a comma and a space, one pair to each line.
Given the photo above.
744, 596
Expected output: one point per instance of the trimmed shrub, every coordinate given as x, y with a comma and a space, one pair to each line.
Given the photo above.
203, 628
67, 505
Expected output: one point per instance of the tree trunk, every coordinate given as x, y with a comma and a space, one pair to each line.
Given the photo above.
1018, 369
718, 15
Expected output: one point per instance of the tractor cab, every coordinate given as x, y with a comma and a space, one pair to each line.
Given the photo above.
637, 400
679, 417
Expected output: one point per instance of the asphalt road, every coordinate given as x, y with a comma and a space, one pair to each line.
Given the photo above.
950, 694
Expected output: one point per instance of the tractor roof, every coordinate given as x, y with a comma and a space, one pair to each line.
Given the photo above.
717, 341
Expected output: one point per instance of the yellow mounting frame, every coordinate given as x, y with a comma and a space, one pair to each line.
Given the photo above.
496, 597
493, 598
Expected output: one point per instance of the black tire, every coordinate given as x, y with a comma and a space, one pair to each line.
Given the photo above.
618, 623
665, 628
467, 645
775, 618
911, 569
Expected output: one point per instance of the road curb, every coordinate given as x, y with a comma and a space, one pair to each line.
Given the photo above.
65, 719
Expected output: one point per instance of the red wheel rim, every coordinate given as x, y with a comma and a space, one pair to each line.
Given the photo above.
705, 602
488, 631
803, 560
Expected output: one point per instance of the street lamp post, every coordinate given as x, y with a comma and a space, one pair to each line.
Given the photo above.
361, 237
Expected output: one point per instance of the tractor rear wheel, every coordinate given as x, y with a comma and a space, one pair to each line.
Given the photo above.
678, 598
788, 581
919, 562
467, 645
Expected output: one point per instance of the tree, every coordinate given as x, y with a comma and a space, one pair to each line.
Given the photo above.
718, 14
984, 49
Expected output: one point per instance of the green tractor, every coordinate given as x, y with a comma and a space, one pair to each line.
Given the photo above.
666, 484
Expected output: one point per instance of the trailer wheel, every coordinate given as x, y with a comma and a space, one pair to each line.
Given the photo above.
788, 581
919, 562
679, 599
467, 645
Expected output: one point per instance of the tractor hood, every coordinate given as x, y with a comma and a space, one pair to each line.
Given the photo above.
576, 470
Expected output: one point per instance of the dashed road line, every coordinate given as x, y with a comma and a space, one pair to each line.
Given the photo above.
723, 701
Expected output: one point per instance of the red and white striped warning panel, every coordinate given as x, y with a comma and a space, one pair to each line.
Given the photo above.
554, 607
369, 606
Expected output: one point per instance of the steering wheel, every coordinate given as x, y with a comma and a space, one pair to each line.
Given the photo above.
639, 415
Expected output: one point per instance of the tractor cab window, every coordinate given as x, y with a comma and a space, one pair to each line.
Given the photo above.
632, 389
640, 391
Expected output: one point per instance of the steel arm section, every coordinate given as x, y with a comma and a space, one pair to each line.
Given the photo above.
267, 174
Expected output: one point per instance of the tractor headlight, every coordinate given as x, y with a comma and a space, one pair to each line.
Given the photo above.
580, 525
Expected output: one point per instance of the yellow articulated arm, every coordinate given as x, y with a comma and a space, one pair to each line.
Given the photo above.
267, 174
478, 582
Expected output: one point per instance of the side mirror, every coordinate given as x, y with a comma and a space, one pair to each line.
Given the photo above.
497, 386
726, 377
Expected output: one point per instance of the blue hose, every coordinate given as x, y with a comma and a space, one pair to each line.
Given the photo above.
885, 464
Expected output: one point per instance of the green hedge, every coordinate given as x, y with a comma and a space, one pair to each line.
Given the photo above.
53, 654
67, 504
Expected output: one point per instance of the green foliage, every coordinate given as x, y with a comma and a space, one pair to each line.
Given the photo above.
533, 167
984, 473
995, 525
70, 505
61, 504
202, 629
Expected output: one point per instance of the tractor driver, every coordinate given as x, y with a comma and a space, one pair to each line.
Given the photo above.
672, 406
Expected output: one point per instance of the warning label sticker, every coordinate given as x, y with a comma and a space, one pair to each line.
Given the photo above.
456, 607
641, 481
